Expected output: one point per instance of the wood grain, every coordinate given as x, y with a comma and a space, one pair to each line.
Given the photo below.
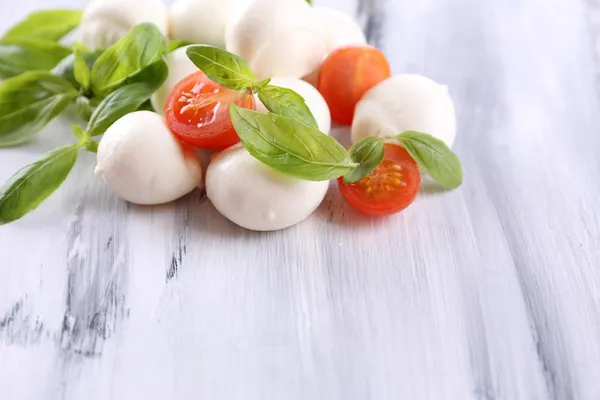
487, 292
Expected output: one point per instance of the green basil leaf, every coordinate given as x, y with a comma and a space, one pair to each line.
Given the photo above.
262, 84
46, 24
18, 56
66, 67
286, 102
290, 146
146, 106
28, 102
84, 108
84, 139
153, 75
26, 189
175, 44
368, 153
81, 70
91, 146
122, 101
434, 157
80, 133
225, 68
120, 63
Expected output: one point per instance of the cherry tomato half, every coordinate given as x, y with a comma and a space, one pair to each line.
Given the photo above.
391, 188
197, 112
346, 75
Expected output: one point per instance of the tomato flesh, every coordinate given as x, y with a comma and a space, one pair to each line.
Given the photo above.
197, 111
389, 189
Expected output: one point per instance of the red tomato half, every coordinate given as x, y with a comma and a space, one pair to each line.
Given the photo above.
391, 188
197, 112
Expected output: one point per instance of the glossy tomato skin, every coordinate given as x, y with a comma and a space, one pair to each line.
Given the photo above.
197, 112
391, 188
346, 75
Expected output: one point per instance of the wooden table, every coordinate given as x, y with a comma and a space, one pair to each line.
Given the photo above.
491, 291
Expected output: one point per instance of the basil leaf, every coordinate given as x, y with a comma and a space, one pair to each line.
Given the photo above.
91, 146
154, 75
81, 71
146, 106
175, 44
262, 84
120, 63
80, 133
66, 67
26, 189
18, 56
368, 153
84, 139
286, 102
84, 108
122, 101
225, 68
47, 24
290, 146
28, 102
434, 157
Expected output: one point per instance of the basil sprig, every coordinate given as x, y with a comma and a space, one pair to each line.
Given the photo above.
28, 102
434, 157
35, 182
225, 68
105, 86
127, 60
49, 25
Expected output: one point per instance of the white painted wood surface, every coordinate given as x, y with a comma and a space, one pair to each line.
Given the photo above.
487, 292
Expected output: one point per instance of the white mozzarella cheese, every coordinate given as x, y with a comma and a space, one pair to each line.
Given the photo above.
339, 29
204, 21
255, 196
279, 38
142, 162
406, 103
104, 22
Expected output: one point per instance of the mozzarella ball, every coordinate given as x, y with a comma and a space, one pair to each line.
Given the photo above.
104, 22
180, 67
406, 103
204, 21
142, 162
315, 102
278, 38
339, 29
255, 196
